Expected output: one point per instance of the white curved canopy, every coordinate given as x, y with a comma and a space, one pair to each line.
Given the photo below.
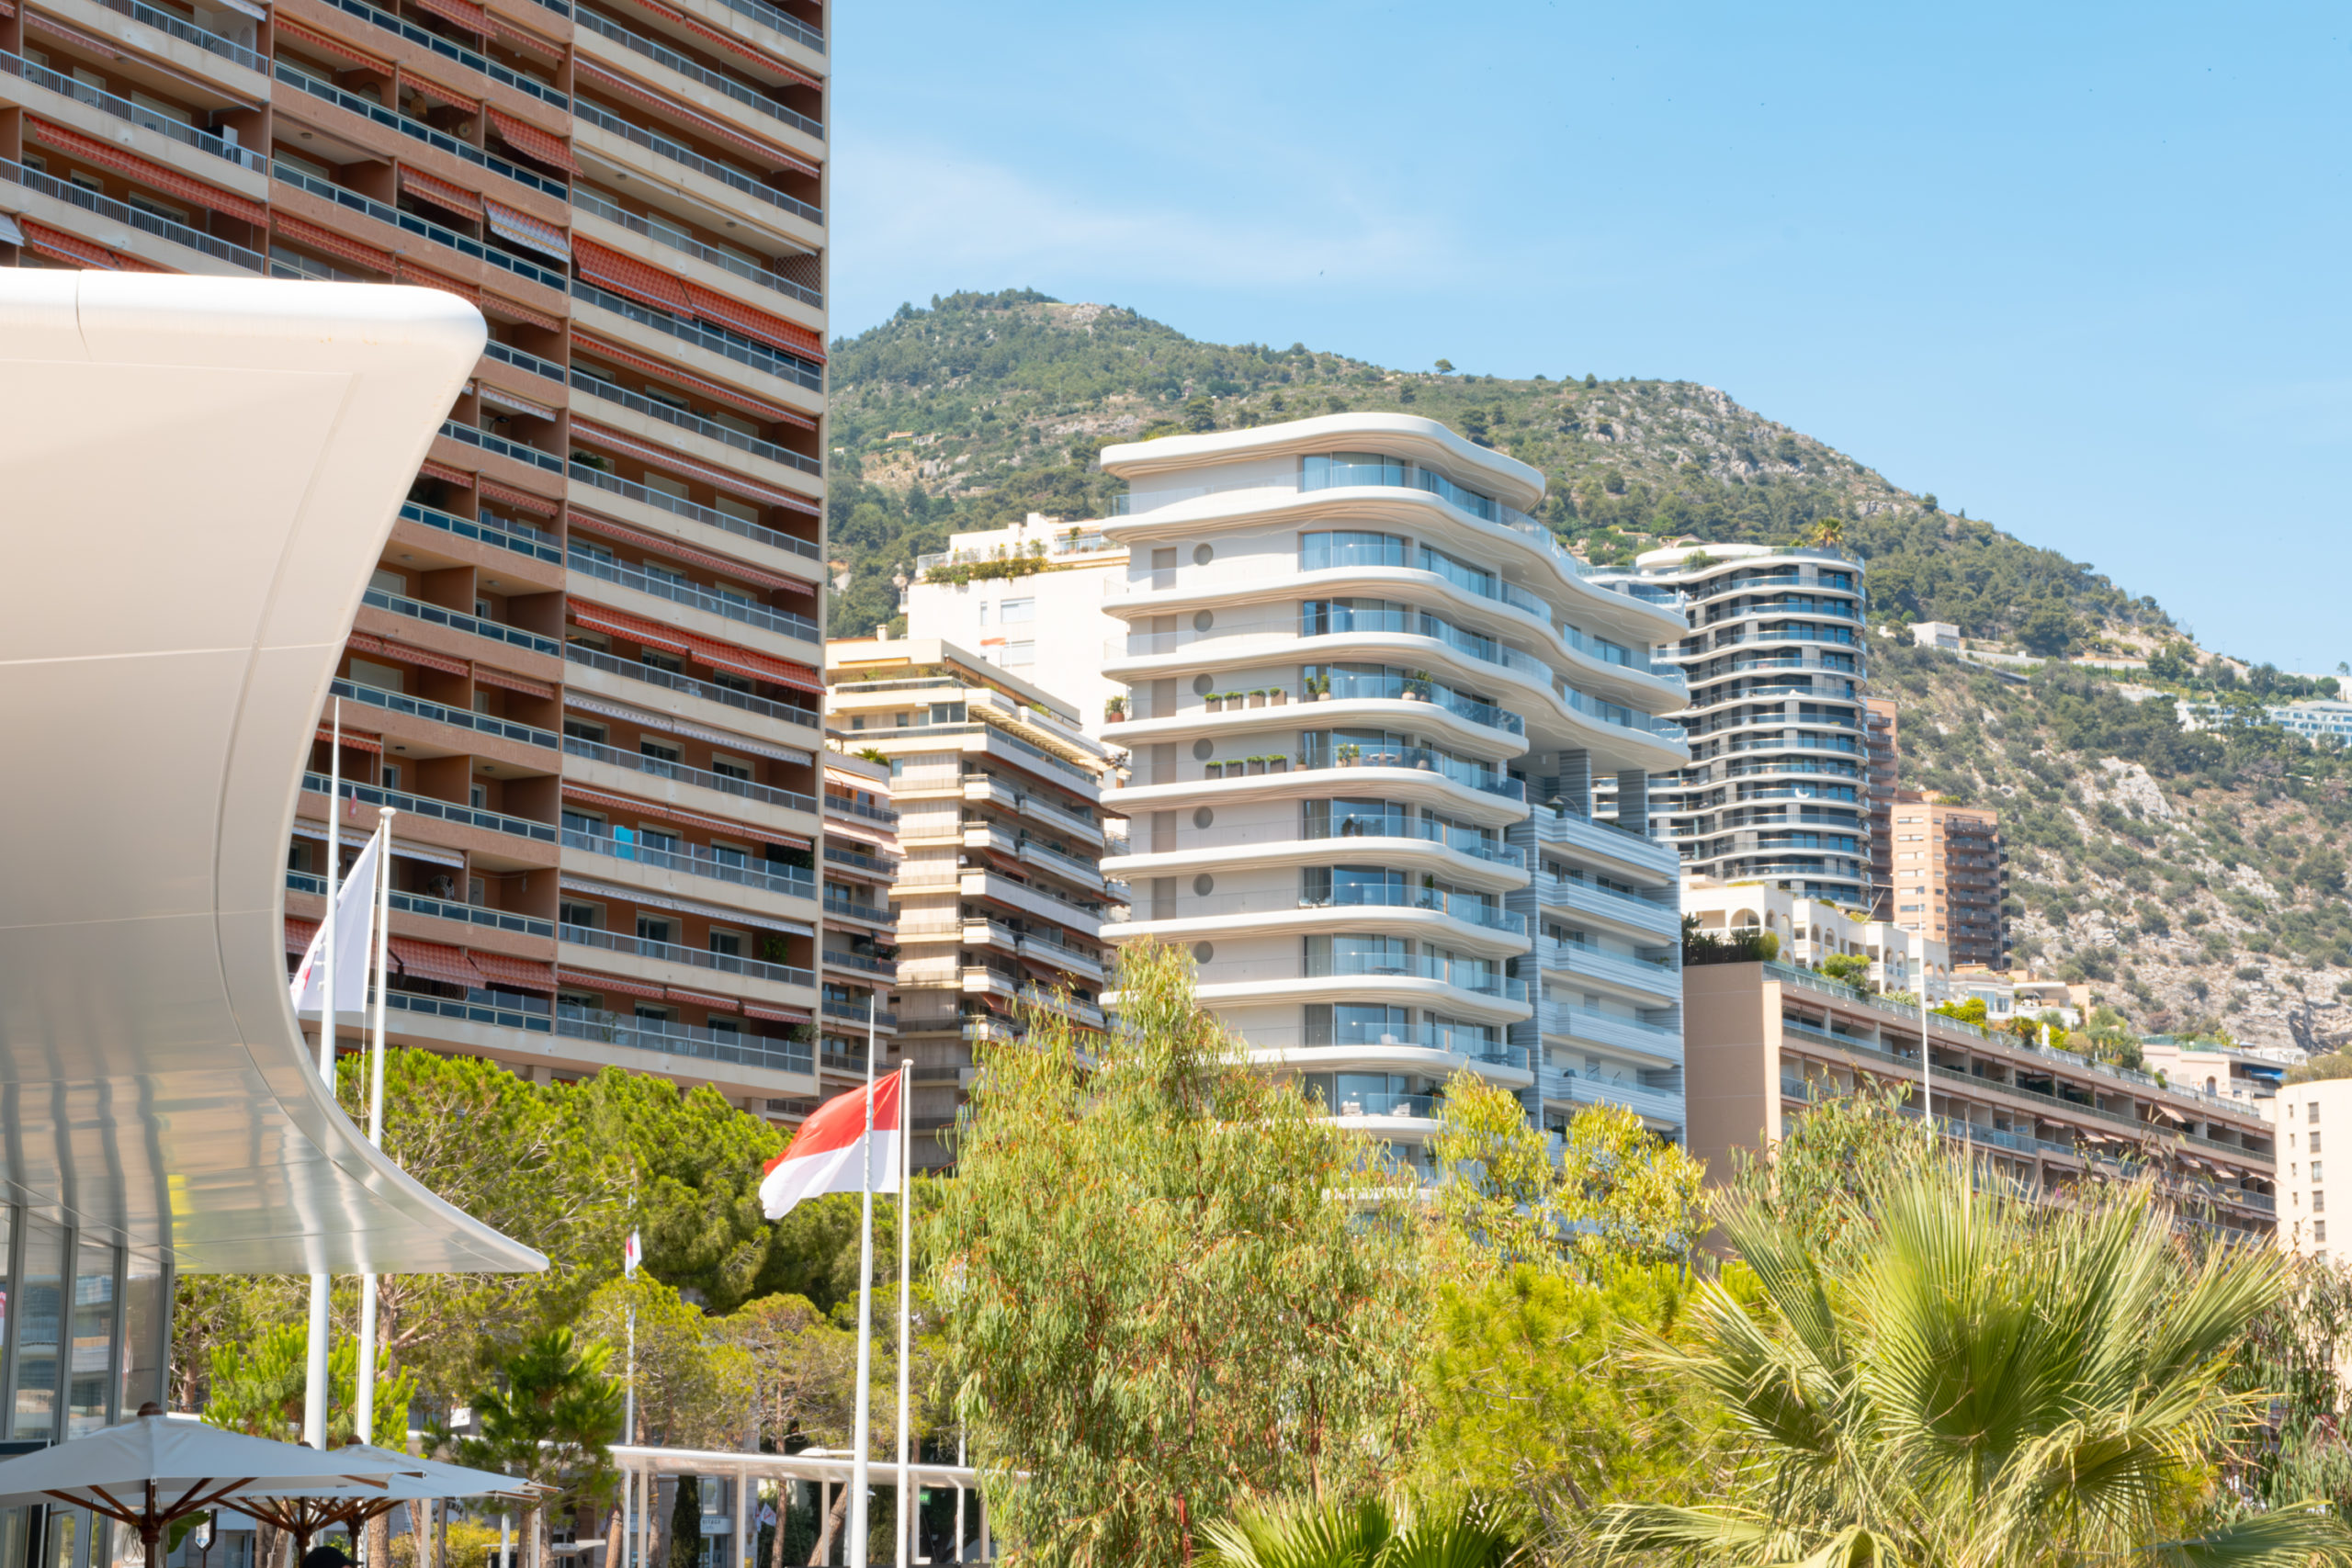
198, 476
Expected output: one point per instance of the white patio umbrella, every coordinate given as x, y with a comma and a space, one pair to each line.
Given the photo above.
304, 1510
150, 1471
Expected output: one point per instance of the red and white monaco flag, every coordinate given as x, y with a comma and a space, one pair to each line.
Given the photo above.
828, 1153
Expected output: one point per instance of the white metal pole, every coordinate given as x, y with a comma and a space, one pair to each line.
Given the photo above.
314, 1380
628, 1434
1927, 1057
864, 1439
960, 1462
742, 1517
906, 1531
364, 1382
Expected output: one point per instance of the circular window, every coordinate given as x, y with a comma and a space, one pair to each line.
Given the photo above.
1204, 816
1203, 621
1204, 884
1202, 953
1201, 749
1203, 555
1202, 686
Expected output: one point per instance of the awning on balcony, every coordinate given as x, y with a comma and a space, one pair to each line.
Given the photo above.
697, 998
513, 224
724, 565
425, 277
402, 848
499, 397
768, 1014
427, 87
442, 194
666, 457
326, 240
624, 273
288, 31
594, 982
58, 246
759, 666
364, 642
434, 960
665, 812
499, 305
732, 45
669, 726
352, 738
526, 139
464, 12
621, 622
595, 889
107, 155
766, 155
756, 324
537, 505
508, 680
444, 473
523, 974
715, 391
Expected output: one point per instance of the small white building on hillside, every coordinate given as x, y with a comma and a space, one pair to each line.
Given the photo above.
1813, 929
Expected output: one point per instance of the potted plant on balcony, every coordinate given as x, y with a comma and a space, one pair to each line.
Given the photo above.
1348, 755
1319, 688
1418, 685
1257, 764
1217, 701
1116, 711
1258, 697
1276, 697
1278, 764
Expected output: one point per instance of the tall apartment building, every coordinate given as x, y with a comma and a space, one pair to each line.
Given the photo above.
1353, 660
1001, 899
861, 946
587, 674
2307, 1114
1882, 776
1951, 878
1772, 650
1767, 1042
1048, 624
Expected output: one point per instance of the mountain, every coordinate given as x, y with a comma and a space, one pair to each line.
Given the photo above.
2196, 880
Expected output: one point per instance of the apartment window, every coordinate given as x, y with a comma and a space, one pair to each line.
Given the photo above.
658, 752
382, 677
2312, 1114
730, 767
2313, 1145
2316, 1171
649, 1013
660, 660
2318, 1230
1013, 611
575, 730
2319, 1200
1019, 654
386, 580
591, 915
727, 944
392, 776
656, 927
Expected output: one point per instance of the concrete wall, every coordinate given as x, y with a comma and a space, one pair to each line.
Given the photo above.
1731, 1048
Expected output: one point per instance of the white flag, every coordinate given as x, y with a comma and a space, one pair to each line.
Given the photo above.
354, 944
632, 1253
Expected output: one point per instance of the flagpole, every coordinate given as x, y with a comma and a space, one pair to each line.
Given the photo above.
906, 1318
364, 1382
859, 1465
314, 1382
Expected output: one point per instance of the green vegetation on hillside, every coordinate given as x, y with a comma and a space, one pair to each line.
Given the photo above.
990, 406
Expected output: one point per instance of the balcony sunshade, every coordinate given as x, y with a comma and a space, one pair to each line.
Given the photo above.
427, 87
732, 45
298, 932
528, 42
684, 906
523, 974
537, 505
364, 642
756, 324
424, 277
505, 681
339, 246
524, 230
108, 156
512, 403
768, 1014
533, 143
354, 838
627, 275
434, 960
465, 13
696, 998
499, 305
444, 473
743, 662
583, 979
662, 457
663, 812
353, 738
665, 724
329, 45
441, 193
765, 155
621, 622
656, 545
718, 392
58, 246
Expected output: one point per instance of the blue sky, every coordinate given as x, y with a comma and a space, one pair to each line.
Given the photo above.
2079, 269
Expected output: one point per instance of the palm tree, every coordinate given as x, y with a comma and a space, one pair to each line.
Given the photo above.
1372, 1533
1829, 533
1969, 1379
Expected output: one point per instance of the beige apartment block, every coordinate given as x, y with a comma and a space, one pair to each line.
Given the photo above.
2309, 1115
1951, 878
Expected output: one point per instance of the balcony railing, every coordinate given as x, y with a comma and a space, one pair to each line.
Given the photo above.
692, 860
861, 962
189, 32
597, 387
712, 516
466, 435
1466, 907
688, 158
434, 614
717, 82
438, 908
368, 108
506, 1013
783, 623
409, 222
1577, 958
588, 201
449, 50
661, 768
527, 542
138, 218
850, 908
853, 807
445, 811
731, 346
790, 27
506, 354
670, 953
137, 113
877, 865
481, 723
856, 1013
684, 1040
630, 669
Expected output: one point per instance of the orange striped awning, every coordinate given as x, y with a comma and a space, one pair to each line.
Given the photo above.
527, 42
326, 44
499, 305
523, 974
760, 1010
367, 642
58, 246
664, 813
427, 86
696, 998
425, 277
506, 681
533, 143
352, 738
341, 247
298, 932
767, 155
716, 390
627, 275
664, 457
588, 981
436, 961
655, 544
510, 223
441, 193
756, 324
467, 15
537, 505
743, 662
444, 473
106, 155
621, 622
732, 45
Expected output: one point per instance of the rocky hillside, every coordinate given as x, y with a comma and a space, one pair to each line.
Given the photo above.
2198, 882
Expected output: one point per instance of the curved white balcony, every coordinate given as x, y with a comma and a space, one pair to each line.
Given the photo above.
1566, 1021
1504, 1064
1653, 983
1483, 730
1397, 775
1472, 993
1412, 844
1414, 913
1660, 920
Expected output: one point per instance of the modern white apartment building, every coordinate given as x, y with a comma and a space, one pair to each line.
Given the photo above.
1774, 653
1811, 930
1029, 599
2315, 719
1353, 662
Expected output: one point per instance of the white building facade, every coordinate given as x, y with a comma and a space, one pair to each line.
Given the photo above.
1031, 600
1368, 699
